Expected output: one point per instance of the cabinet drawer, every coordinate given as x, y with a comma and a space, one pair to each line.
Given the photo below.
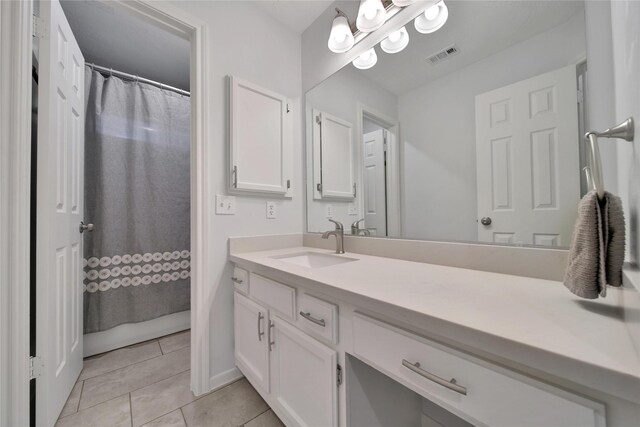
318, 317
281, 298
481, 393
240, 280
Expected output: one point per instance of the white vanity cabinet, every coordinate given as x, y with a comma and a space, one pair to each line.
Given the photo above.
251, 340
303, 373
294, 372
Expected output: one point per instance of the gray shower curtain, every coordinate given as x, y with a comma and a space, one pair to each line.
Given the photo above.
137, 170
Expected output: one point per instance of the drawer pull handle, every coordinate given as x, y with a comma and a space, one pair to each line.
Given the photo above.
310, 318
260, 331
451, 385
236, 280
272, 340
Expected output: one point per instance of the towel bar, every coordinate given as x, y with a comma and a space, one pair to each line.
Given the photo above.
593, 172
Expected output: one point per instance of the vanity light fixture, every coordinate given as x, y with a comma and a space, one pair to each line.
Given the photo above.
366, 60
403, 3
432, 19
396, 41
341, 37
371, 15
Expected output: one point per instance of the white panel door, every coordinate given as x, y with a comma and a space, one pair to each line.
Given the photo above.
251, 341
60, 189
303, 375
528, 169
333, 143
374, 184
260, 139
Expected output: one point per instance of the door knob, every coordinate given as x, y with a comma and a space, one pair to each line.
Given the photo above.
85, 227
486, 220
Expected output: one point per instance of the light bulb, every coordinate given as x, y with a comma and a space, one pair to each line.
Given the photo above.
432, 12
366, 60
395, 36
341, 38
369, 13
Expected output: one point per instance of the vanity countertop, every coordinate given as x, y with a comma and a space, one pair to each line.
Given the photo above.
525, 321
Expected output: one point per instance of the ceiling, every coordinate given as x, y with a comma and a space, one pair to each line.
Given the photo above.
478, 28
112, 38
296, 15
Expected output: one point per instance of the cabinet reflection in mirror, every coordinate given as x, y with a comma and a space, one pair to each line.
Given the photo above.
471, 133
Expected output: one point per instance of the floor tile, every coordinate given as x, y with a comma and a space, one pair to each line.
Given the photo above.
124, 380
172, 419
71, 407
113, 413
116, 359
232, 405
266, 419
157, 399
175, 342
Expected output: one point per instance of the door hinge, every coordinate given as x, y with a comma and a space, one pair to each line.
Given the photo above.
319, 187
339, 375
580, 96
318, 120
288, 108
354, 190
35, 367
288, 184
39, 29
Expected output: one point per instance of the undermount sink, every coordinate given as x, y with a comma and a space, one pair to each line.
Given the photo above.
314, 259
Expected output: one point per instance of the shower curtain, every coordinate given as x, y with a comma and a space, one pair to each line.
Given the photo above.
137, 184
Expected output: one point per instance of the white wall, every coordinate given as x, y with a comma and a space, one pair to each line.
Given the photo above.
340, 95
246, 42
437, 128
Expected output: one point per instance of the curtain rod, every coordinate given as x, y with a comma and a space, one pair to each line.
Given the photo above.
128, 76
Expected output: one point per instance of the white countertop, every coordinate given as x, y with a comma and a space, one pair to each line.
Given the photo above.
532, 322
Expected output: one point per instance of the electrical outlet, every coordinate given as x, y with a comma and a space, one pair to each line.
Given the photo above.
271, 210
225, 205
329, 211
352, 209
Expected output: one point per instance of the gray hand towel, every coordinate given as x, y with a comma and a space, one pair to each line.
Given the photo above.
585, 274
597, 248
614, 236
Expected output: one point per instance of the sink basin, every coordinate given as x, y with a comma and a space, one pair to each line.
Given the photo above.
314, 259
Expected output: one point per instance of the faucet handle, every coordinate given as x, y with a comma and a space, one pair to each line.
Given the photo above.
337, 223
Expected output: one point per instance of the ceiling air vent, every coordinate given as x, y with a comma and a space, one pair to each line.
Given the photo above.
443, 54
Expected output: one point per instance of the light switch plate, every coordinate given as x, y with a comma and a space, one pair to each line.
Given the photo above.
352, 209
225, 205
272, 212
329, 211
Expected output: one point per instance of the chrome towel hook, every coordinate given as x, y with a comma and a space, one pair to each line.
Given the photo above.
624, 130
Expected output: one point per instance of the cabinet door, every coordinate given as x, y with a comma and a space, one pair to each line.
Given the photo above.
260, 140
333, 157
252, 344
303, 376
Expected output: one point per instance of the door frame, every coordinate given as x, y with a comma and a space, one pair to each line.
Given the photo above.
15, 159
395, 183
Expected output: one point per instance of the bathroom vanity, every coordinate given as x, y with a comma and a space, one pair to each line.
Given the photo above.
327, 339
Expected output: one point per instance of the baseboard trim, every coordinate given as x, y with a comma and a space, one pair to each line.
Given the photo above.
224, 378
132, 333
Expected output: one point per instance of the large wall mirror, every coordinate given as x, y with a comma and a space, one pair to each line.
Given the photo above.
471, 133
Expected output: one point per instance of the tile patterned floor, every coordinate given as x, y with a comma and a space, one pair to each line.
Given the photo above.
147, 384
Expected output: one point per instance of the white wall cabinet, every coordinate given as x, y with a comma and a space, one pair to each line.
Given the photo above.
303, 373
252, 342
333, 157
260, 140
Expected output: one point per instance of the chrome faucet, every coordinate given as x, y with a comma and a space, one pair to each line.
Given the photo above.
357, 231
339, 234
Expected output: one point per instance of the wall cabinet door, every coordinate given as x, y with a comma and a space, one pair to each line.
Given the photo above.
252, 343
260, 140
333, 159
303, 376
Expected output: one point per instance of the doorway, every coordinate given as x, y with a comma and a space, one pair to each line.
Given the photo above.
380, 173
60, 308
